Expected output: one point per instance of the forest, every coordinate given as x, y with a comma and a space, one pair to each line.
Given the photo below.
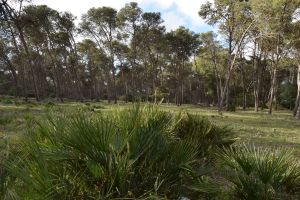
114, 105
128, 55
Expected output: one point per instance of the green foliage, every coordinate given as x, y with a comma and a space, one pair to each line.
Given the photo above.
140, 153
232, 107
259, 173
5, 119
207, 135
98, 107
7, 192
130, 153
50, 104
287, 95
7, 101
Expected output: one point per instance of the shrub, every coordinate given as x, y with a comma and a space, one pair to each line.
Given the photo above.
7, 101
5, 119
141, 153
232, 107
287, 94
250, 172
206, 135
98, 107
50, 104
123, 154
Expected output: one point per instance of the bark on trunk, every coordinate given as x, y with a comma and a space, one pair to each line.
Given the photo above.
296, 112
231, 63
274, 76
256, 80
272, 90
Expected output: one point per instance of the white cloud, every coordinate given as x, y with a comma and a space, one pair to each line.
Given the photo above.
173, 20
174, 12
180, 11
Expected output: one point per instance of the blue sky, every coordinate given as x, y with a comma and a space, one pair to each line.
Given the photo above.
174, 12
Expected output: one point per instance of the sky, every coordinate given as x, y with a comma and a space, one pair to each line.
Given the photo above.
175, 13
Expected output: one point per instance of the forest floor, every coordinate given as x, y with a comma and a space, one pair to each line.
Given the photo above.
278, 129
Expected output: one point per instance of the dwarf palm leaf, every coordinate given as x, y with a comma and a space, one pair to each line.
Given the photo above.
124, 153
259, 173
207, 135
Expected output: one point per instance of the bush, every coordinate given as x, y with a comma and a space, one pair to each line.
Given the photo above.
122, 154
50, 104
141, 153
7, 101
98, 107
207, 135
260, 173
5, 119
232, 107
287, 95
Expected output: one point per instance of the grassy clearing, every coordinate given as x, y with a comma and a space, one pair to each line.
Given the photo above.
279, 129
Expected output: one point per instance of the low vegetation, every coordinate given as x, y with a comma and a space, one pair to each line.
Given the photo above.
196, 115
93, 151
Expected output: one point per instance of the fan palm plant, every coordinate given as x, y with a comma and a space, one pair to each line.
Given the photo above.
132, 153
260, 173
207, 135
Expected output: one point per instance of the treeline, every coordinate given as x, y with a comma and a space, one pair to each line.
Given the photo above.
128, 55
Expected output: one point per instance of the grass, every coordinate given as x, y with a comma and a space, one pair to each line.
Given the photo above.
87, 146
279, 129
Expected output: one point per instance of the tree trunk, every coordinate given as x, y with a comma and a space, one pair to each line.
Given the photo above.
75, 65
217, 76
114, 88
244, 91
225, 90
296, 111
244, 101
30, 64
13, 71
272, 90
256, 76
274, 76
132, 86
229, 70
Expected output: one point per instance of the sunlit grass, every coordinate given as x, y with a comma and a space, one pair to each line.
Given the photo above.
279, 129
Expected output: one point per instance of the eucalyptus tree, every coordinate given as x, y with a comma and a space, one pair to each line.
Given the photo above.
101, 25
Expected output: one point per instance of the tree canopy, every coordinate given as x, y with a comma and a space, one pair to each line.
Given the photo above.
128, 55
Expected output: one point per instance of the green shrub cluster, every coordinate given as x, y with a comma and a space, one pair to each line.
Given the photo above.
6, 101
140, 153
